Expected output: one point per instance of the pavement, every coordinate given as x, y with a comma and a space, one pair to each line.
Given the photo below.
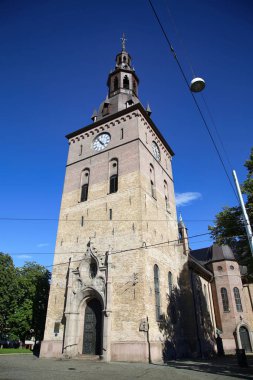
29, 367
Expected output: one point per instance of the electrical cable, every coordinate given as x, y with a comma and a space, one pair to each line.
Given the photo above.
176, 30
125, 250
194, 75
122, 251
217, 132
112, 252
105, 220
194, 98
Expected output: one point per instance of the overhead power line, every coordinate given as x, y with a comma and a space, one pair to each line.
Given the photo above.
217, 133
168, 242
104, 220
84, 221
131, 249
194, 98
145, 246
173, 22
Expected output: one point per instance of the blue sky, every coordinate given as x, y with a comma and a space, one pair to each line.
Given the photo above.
55, 58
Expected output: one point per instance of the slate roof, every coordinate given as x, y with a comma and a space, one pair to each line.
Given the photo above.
205, 256
214, 253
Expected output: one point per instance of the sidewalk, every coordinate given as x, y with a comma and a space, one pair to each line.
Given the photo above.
28, 367
223, 366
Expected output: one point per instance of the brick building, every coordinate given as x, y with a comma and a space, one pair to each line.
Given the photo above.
123, 282
231, 295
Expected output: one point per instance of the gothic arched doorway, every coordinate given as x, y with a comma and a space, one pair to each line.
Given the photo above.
92, 333
245, 340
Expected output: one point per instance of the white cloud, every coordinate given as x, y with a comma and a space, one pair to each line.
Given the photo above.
183, 199
40, 245
24, 256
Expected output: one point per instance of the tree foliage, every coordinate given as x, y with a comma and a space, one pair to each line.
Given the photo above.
8, 287
229, 227
24, 305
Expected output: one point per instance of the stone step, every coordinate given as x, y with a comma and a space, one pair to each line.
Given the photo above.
89, 357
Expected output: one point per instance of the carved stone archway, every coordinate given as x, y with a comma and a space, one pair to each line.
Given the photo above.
88, 281
88, 294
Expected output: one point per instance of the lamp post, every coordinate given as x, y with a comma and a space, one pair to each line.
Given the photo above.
244, 212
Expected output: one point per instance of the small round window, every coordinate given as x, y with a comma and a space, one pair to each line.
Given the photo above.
232, 267
219, 268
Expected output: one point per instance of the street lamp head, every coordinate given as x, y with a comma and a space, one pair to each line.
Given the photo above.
197, 85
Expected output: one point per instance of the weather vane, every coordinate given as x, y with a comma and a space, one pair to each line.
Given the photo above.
123, 39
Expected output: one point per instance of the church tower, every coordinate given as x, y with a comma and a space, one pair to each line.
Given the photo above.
118, 253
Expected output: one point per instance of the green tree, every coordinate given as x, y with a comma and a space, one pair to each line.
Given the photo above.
8, 290
32, 296
40, 302
229, 224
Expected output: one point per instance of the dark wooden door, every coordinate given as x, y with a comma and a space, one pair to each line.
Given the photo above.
244, 335
92, 328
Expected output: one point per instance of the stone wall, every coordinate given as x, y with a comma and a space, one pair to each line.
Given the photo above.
142, 232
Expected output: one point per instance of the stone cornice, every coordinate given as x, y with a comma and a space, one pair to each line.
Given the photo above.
117, 118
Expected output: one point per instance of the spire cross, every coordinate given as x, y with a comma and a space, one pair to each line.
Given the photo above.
123, 39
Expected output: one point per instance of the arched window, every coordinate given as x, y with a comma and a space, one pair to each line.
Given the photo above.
224, 297
157, 292
134, 86
152, 188
106, 109
115, 84
84, 193
85, 185
113, 170
238, 302
206, 297
170, 284
126, 82
113, 184
152, 181
173, 314
124, 58
199, 297
166, 195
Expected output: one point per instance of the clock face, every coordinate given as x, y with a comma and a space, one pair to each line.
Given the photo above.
101, 141
156, 151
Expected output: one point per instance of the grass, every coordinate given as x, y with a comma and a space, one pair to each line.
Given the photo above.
6, 351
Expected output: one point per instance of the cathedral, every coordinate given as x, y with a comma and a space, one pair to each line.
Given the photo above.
125, 284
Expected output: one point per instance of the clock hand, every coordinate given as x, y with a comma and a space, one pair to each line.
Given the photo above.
101, 142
